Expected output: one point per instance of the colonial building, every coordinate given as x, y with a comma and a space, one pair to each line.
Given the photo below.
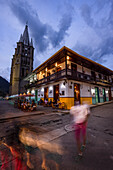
22, 63
71, 78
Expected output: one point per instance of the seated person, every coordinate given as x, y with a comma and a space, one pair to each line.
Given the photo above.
46, 102
24, 106
58, 101
40, 102
55, 104
28, 105
33, 105
50, 102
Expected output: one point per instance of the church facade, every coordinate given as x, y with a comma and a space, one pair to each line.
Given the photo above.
22, 63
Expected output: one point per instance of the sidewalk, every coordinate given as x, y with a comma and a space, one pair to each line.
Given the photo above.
18, 113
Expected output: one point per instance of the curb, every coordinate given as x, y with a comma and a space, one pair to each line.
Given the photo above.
91, 106
13, 117
100, 104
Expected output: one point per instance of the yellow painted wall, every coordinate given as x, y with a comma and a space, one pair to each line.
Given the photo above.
87, 100
68, 101
50, 98
42, 98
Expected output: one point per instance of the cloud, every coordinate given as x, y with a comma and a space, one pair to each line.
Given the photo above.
83, 49
110, 18
101, 23
56, 37
96, 53
37, 62
5, 73
86, 14
43, 34
99, 16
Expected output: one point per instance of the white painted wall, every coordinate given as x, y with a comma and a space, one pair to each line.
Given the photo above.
79, 68
64, 88
87, 71
33, 91
50, 91
100, 92
41, 92
85, 90
68, 88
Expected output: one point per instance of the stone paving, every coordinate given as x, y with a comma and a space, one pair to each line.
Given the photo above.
56, 128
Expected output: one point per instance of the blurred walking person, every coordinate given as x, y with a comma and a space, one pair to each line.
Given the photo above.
80, 114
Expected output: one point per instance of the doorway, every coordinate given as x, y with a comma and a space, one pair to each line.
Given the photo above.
109, 93
104, 94
56, 93
97, 95
45, 93
76, 94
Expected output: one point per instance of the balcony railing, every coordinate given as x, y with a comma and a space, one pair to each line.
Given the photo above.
104, 81
87, 78
53, 77
74, 75
79, 76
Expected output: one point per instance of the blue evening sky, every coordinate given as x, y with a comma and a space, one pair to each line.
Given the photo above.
85, 26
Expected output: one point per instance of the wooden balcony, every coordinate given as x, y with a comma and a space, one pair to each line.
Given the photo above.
79, 76
102, 81
87, 78
71, 75
53, 77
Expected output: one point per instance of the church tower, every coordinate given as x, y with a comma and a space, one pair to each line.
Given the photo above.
22, 63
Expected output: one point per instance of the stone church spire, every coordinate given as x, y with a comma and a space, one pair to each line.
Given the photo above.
26, 36
31, 44
21, 38
22, 63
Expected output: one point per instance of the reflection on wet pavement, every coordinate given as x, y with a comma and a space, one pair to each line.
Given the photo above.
22, 147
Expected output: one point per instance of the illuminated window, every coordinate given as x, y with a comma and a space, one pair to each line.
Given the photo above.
67, 57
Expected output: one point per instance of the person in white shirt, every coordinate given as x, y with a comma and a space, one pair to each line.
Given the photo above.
80, 114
